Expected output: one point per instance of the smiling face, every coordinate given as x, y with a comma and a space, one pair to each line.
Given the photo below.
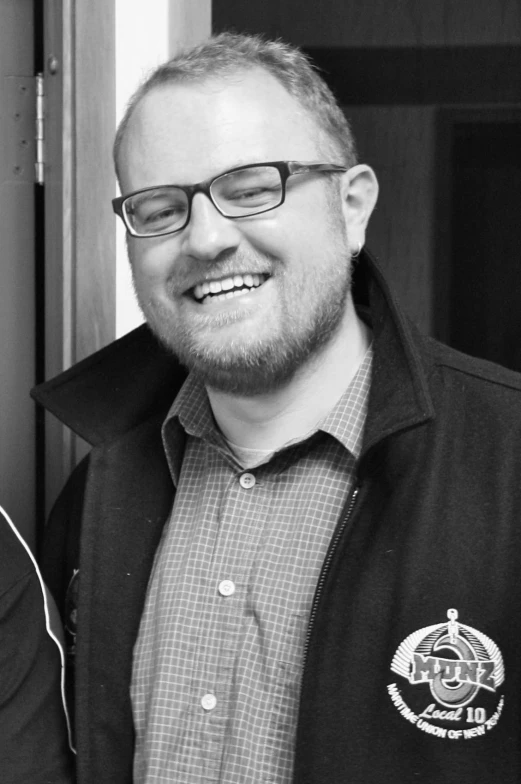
246, 302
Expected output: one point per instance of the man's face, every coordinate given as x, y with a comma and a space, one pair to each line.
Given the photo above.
290, 267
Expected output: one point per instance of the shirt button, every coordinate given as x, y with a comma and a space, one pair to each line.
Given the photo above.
246, 481
209, 701
226, 587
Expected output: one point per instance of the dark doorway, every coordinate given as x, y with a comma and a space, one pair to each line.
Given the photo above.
483, 294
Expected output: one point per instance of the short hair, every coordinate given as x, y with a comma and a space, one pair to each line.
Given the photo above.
228, 53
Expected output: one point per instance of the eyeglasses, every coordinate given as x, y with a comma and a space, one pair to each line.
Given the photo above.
238, 193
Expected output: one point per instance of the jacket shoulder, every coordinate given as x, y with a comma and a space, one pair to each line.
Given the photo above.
475, 369
15, 563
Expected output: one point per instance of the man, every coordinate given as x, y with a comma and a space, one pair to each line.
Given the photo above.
300, 562
33, 721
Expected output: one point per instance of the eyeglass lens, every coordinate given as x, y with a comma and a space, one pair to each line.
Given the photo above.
239, 193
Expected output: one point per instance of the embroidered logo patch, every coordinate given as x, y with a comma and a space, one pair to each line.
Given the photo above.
451, 675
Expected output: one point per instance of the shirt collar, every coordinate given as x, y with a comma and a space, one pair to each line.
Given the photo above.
346, 420
191, 414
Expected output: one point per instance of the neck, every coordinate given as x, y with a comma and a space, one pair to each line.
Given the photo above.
270, 420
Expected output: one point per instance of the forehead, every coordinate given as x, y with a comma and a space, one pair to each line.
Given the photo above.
187, 132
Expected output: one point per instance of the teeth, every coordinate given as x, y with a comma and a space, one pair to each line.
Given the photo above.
216, 287
227, 284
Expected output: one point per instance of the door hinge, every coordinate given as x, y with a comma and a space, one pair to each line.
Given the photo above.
40, 130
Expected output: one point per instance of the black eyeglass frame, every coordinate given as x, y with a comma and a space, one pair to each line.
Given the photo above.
286, 170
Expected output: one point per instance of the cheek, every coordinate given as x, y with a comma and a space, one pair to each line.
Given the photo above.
149, 267
140, 275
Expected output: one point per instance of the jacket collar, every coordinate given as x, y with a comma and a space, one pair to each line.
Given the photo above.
399, 396
114, 390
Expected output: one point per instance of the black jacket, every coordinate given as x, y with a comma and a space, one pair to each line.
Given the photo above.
34, 745
412, 666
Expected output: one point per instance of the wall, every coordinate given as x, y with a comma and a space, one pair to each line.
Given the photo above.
397, 141
363, 23
141, 44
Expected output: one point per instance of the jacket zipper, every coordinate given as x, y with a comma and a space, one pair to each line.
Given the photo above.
325, 571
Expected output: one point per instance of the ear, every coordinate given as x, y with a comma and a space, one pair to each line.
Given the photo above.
359, 195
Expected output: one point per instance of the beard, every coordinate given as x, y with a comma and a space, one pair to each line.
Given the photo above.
261, 367
265, 364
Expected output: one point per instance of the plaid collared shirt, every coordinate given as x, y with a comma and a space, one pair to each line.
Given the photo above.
218, 659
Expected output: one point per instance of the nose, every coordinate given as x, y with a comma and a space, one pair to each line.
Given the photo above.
208, 233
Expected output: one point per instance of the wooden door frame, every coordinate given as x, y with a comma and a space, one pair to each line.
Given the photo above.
79, 67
